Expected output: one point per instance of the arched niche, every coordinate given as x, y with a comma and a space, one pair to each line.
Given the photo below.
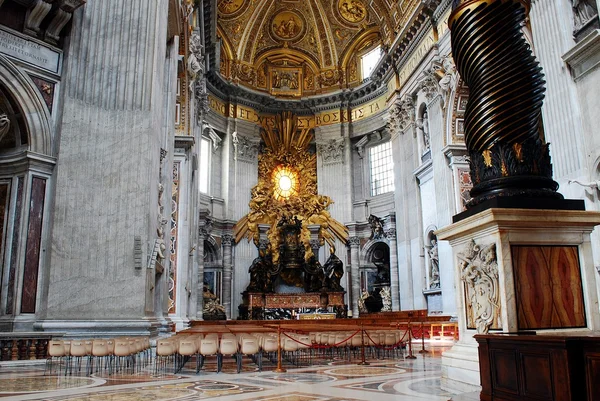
27, 159
375, 261
25, 96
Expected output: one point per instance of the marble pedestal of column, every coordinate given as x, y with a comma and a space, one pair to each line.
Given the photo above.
518, 270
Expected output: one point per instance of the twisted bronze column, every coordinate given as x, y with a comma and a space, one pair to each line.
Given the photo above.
503, 130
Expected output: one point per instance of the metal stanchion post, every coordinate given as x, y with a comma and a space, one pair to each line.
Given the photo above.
362, 336
410, 353
423, 350
280, 368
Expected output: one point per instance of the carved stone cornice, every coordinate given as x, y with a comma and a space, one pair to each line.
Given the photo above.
245, 149
479, 273
332, 152
35, 15
60, 19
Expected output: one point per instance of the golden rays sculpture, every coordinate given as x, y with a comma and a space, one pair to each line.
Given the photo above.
287, 189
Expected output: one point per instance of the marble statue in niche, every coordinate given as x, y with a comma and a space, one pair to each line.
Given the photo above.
423, 126
4, 125
583, 12
434, 265
479, 273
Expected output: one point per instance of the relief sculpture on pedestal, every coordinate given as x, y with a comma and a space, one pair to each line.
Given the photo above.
479, 273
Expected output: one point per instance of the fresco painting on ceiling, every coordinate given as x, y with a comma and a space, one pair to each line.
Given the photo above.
286, 81
352, 10
287, 25
228, 7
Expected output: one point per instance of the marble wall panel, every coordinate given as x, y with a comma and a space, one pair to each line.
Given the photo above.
4, 207
34, 237
548, 285
14, 249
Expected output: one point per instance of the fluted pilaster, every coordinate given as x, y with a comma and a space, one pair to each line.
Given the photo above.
354, 243
227, 241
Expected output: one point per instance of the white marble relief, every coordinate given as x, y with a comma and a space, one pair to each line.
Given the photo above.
479, 273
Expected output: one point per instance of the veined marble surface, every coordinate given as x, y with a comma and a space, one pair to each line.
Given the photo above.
327, 379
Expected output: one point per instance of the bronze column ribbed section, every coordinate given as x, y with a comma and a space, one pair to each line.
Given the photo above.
503, 116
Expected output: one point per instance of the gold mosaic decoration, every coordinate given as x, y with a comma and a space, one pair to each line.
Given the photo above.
276, 198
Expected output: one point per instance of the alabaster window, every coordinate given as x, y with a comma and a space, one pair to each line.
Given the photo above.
381, 169
204, 165
369, 62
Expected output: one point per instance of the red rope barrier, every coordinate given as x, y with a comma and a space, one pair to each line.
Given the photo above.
383, 346
319, 346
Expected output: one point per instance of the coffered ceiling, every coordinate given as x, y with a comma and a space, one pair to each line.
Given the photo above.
295, 48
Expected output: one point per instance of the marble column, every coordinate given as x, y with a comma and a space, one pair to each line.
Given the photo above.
227, 241
354, 243
394, 274
196, 299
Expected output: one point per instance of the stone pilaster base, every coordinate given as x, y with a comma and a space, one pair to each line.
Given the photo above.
518, 270
460, 369
104, 328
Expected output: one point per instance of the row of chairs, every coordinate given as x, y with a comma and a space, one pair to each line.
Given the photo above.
180, 348
296, 348
114, 353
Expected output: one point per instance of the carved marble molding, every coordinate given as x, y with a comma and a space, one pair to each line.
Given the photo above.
245, 149
584, 56
332, 152
227, 239
205, 227
448, 80
390, 234
360, 146
60, 19
479, 273
315, 244
354, 241
429, 84
402, 115
263, 244
36, 15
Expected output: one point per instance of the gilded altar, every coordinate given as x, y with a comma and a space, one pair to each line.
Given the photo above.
270, 306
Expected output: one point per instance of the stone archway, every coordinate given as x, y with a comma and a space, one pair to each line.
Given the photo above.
36, 116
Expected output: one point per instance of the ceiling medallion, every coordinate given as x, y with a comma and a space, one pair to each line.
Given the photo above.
353, 11
288, 26
230, 8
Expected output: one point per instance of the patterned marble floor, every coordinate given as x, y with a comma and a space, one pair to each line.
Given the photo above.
331, 380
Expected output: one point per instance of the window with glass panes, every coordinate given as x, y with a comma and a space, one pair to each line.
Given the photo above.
382, 169
204, 169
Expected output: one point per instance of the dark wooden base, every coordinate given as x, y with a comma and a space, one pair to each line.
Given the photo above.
539, 367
